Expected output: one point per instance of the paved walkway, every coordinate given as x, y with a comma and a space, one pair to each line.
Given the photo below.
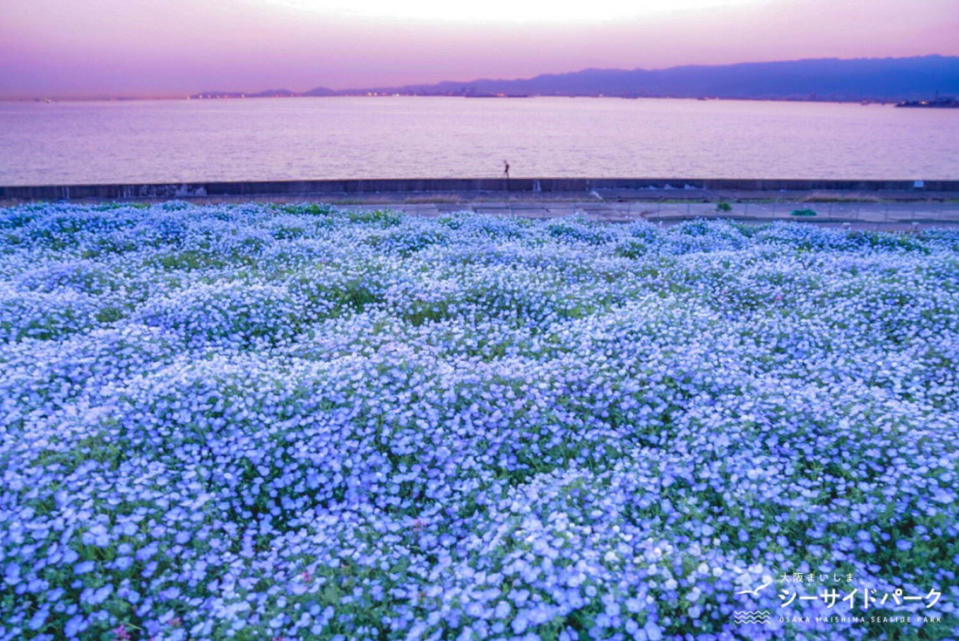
879, 215
892, 210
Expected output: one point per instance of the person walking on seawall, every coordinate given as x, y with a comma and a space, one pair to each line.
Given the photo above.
506, 173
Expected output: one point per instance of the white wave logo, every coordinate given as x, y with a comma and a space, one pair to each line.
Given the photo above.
751, 616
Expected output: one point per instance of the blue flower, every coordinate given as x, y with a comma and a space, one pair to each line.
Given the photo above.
277, 420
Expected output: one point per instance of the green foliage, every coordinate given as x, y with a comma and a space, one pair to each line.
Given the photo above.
187, 260
631, 249
382, 217
313, 209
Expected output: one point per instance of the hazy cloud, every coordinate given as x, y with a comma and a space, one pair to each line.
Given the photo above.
137, 47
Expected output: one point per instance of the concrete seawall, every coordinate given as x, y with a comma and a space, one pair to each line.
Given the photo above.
630, 188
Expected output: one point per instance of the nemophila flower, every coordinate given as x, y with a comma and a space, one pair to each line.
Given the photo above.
652, 631
276, 422
84, 567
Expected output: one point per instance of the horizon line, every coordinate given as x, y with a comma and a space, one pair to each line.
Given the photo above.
397, 89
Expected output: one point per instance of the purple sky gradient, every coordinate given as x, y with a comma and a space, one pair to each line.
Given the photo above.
77, 48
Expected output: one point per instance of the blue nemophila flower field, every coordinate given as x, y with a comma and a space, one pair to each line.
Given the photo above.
264, 422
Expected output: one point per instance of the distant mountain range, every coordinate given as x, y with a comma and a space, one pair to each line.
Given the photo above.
875, 79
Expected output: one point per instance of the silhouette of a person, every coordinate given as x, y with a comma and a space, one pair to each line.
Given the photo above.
506, 169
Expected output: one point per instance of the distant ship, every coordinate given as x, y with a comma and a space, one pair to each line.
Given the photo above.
936, 103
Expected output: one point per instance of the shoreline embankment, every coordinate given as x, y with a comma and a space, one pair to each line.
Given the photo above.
639, 189
878, 204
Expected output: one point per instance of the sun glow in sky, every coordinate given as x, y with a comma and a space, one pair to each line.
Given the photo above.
174, 47
505, 11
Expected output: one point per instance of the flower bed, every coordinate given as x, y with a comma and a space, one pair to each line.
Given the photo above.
254, 422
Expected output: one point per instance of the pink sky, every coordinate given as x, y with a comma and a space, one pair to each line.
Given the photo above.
175, 47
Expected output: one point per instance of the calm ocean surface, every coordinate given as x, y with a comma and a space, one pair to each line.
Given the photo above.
302, 138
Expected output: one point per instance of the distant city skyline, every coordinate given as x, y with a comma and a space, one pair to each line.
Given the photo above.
137, 48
